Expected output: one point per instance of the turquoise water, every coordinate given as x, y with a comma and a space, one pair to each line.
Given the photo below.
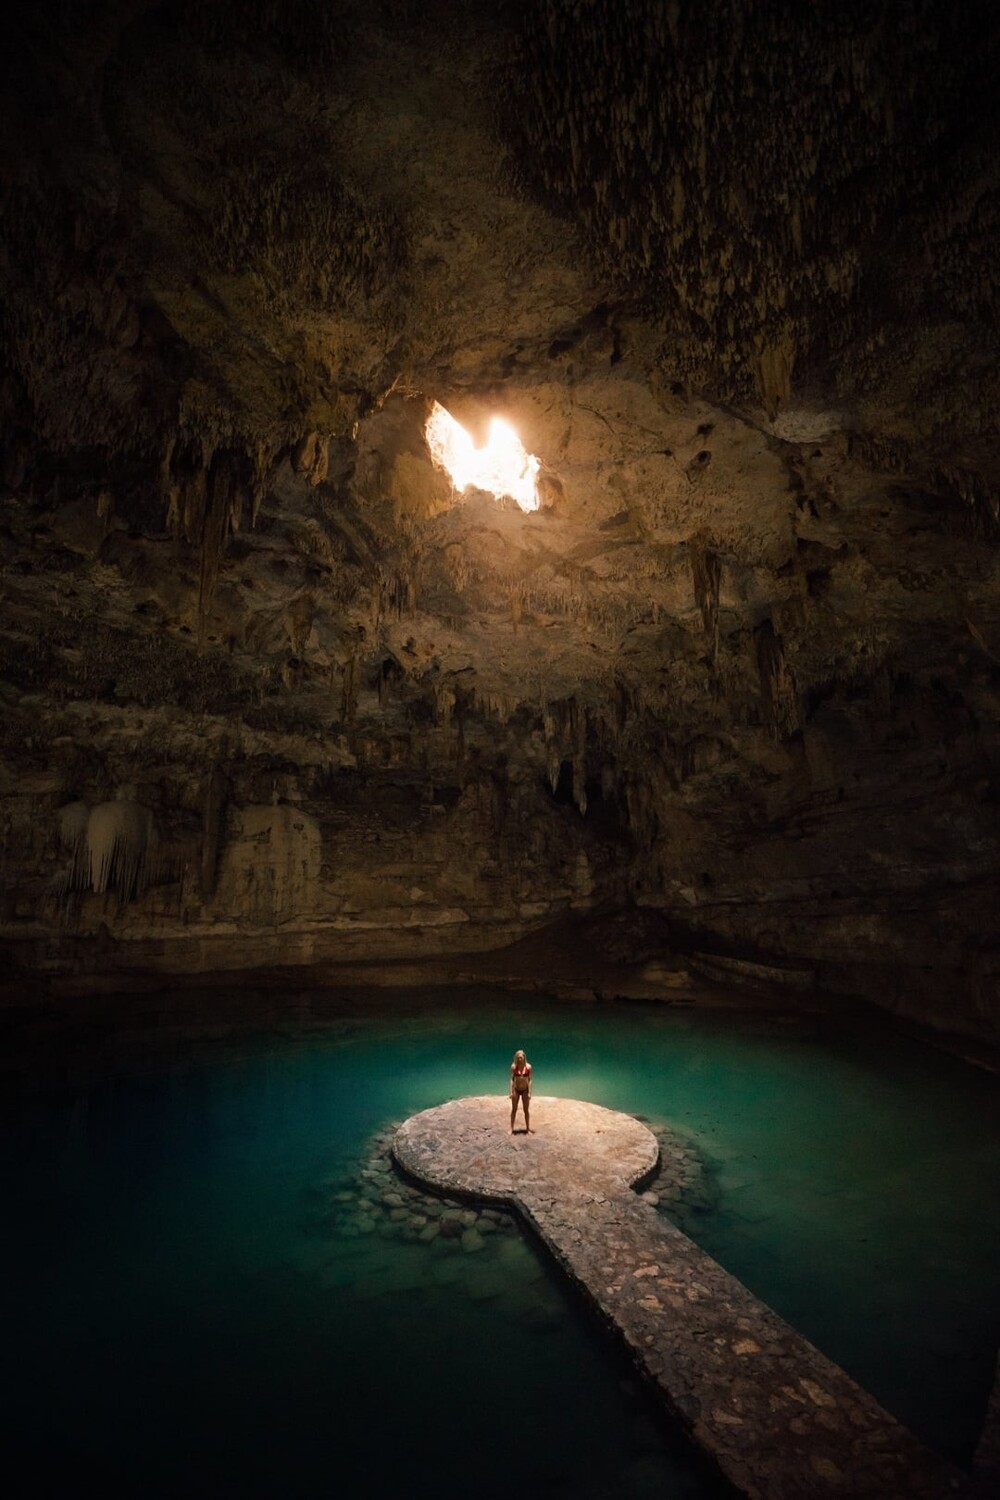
181, 1315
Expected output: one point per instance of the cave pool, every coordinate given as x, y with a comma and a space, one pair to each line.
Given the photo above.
184, 1315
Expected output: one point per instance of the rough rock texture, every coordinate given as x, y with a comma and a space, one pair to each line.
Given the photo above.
731, 277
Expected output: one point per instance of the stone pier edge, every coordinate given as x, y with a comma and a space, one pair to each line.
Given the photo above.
944, 1479
610, 1329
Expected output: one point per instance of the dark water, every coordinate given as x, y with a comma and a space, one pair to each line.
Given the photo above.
181, 1316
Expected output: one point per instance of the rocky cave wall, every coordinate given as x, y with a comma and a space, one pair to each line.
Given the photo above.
274, 693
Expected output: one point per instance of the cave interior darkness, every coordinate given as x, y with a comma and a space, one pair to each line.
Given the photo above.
711, 719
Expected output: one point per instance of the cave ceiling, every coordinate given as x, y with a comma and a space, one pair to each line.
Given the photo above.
730, 273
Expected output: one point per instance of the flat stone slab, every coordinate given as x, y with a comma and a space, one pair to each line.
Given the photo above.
780, 1419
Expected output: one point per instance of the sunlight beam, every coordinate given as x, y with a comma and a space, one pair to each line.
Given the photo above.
502, 466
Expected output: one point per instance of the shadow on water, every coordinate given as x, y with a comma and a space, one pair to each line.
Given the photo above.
204, 1296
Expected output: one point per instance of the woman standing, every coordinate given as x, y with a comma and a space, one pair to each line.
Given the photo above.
520, 1090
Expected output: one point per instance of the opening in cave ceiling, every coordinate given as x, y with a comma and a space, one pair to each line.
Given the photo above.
502, 466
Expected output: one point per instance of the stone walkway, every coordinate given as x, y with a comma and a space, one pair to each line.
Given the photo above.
780, 1419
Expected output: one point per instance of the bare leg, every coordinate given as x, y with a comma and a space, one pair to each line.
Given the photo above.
526, 1102
513, 1112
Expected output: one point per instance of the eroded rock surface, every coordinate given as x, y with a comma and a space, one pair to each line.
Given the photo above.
733, 283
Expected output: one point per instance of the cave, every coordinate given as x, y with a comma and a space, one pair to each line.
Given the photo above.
499, 512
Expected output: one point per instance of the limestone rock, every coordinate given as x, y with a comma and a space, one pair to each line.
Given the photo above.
733, 682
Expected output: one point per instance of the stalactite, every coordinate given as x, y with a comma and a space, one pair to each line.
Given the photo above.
215, 527
752, 209
706, 573
121, 843
301, 613
105, 507
214, 800
444, 704
73, 838
773, 365
349, 691
579, 762
311, 457
553, 753
981, 499
388, 671
206, 491
500, 793
777, 684
395, 591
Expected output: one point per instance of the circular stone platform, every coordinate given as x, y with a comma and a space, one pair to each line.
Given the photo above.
779, 1418
466, 1147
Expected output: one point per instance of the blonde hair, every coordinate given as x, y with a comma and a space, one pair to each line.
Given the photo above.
518, 1054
